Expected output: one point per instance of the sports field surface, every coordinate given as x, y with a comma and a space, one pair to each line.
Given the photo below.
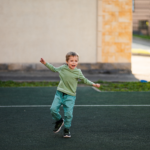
102, 120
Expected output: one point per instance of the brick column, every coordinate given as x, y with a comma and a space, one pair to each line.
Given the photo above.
114, 32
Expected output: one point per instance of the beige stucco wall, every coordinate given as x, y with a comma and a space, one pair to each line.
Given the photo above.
99, 30
30, 29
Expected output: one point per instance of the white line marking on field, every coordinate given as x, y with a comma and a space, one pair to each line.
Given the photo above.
9, 106
96, 89
26, 106
108, 105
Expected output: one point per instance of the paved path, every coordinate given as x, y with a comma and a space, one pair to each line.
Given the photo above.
141, 65
140, 71
49, 76
140, 46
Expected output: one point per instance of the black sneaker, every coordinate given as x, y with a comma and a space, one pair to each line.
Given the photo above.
58, 125
67, 133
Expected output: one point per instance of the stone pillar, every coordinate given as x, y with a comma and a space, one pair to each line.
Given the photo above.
114, 33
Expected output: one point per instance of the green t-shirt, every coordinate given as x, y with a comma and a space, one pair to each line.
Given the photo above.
68, 78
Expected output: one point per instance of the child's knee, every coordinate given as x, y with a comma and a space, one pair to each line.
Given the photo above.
69, 115
53, 110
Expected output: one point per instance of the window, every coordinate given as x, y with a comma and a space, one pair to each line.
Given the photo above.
132, 5
143, 24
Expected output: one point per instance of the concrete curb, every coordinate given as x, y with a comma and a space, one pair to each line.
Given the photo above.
140, 52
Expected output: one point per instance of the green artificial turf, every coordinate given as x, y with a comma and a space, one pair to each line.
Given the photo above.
93, 128
99, 128
85, 95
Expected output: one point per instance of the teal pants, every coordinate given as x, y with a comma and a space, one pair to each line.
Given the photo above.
68, 102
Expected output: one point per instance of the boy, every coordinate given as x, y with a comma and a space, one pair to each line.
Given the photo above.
66, 91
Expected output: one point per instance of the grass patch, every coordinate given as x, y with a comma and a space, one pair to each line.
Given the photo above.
142, 36
27, 84
105, 86
124, 86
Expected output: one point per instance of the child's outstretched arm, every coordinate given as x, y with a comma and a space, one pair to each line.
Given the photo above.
86, 81
50, 66
43, 61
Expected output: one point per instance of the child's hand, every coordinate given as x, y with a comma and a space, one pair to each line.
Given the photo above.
42, 61
96, 85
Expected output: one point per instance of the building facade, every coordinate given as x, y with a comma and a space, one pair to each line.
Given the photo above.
141, 17
99, 30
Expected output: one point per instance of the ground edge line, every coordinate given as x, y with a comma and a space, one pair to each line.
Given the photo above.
15, 106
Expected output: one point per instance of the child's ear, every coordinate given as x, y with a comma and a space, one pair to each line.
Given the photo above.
67, 62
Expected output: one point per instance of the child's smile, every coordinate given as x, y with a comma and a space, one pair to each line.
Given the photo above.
72, 62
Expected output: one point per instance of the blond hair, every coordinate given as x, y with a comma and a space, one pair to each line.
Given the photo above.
71, 54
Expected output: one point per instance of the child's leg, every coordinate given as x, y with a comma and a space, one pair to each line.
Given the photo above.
56, 106
68, 104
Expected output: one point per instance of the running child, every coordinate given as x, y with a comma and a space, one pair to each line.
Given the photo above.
66, 91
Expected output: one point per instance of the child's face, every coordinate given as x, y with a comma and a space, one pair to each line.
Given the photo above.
72, 62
